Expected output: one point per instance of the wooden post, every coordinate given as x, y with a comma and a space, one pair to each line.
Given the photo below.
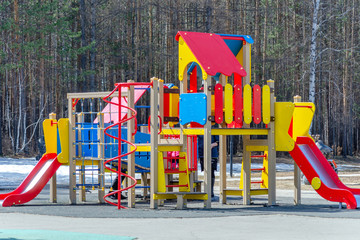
154, 143
207, 144
183, 138
131, 157
222, 156
53, 190
82, 192
246, 171
72, 151
271, 149
297, 172
101, 156
246, 155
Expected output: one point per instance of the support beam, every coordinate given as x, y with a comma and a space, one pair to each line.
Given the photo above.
154, 143
131, 157
297, 173
72, 151
53, 189
207, 145
271, 149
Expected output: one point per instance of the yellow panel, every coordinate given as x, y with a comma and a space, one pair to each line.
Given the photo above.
239, 56
212, 105
63, 125
283, 115
185, 57
302, 118
142, 148
183, 177
256, 148
266, 104
161, 173
173, 106
247, 104
265, 173
228, 102
218, 131
253, 192
164, 196
170, 131
169, 148
50, 135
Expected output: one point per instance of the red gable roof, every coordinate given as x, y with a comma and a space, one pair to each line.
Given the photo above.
212, 53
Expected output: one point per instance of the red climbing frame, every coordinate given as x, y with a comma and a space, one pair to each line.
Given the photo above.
118, 87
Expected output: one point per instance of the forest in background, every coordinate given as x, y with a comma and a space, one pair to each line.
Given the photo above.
52, 47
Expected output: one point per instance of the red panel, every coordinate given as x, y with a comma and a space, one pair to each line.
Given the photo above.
212, 53
237, 79
257, 104
238, 104
219, 103
193, 80
290, 132
166, 104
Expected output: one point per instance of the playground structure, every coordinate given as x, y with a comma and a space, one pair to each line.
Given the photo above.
98, 136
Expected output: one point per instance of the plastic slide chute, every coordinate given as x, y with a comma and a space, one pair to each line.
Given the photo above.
321, 175
33, 183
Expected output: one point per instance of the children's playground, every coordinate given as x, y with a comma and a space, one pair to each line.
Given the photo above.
105, 137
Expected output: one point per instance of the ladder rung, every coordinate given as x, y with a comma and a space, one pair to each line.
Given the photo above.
258, 169
171, 171
262, 181
177, 185
258, 156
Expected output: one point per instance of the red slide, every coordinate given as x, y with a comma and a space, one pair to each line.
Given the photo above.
317, 169
33, 183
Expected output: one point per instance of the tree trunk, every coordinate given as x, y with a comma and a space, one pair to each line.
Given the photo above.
83, 44
313, 50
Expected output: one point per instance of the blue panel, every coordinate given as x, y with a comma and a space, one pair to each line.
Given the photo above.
58, 145
247, 38
192, 108
234, 46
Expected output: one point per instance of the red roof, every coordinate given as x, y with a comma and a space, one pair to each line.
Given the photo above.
212, 53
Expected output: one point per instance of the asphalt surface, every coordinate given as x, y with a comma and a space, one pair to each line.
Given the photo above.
316, 218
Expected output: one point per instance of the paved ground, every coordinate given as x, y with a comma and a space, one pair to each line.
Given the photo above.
314, 219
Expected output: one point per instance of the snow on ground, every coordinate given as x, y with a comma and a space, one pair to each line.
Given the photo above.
14, 171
